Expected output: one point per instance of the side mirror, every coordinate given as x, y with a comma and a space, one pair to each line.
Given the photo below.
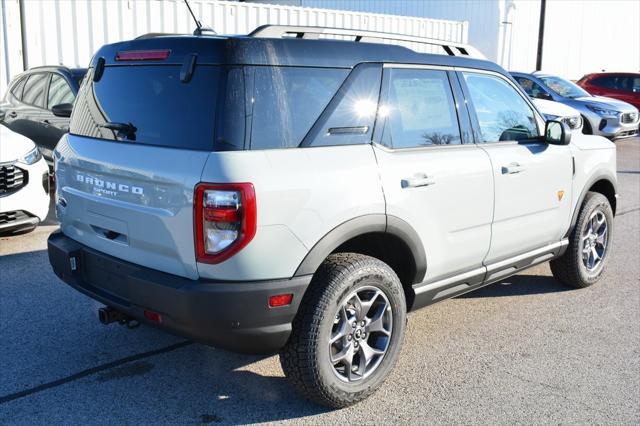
557, 133
62, 110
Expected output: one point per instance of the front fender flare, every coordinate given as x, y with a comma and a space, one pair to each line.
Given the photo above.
605, 175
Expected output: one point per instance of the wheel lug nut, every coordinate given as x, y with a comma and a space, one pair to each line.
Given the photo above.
353, 324
349, 337
362, 324
364, 335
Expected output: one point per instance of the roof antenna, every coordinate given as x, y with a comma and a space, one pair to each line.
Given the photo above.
199, 27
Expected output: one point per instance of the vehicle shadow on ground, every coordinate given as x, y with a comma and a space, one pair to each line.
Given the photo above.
196, 383
519, 285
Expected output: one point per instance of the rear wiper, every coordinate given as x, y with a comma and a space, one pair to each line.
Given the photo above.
122, 130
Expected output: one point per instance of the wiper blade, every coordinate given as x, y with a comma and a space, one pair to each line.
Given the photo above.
122, 130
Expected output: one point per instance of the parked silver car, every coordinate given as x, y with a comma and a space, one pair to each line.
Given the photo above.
602, 116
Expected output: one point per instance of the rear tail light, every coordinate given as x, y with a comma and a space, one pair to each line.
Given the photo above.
225, 220
153, 316
143, 55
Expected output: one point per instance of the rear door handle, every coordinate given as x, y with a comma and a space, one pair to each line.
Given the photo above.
13, 114
417, 180
512, 169
46, 122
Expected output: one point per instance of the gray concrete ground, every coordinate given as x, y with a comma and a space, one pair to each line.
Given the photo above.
526, 350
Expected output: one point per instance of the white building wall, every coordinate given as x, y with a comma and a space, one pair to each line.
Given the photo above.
591, 36
581, 36
69, 31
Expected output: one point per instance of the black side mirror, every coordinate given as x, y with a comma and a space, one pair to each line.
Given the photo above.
557, 133
62, 110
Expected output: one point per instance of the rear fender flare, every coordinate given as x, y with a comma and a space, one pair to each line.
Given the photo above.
364, 225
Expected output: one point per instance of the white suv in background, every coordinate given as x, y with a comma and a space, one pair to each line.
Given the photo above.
24, 183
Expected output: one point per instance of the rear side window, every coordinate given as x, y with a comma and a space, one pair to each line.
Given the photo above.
17, 88
350, 116
59, 92
605, 81
625, 83
286, 101
503, 115
418, 109
163, 110
33, 93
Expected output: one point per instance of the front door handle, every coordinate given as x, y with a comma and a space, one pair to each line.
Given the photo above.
417, 180
512, 169
13, 114
46, 123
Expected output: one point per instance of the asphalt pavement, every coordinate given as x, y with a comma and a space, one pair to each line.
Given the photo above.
526, 350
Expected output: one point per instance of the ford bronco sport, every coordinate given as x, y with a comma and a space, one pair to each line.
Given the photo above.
302, 194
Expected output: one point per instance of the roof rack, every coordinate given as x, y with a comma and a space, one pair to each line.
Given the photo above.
154, 35
429, 45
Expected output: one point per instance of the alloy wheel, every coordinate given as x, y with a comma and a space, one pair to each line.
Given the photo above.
361, 334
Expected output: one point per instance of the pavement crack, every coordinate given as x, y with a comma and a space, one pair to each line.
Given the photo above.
558, 392
628, 211
91, 371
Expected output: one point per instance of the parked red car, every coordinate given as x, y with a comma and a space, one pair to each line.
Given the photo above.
624, 86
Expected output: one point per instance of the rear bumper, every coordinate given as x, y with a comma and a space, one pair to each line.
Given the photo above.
229, 315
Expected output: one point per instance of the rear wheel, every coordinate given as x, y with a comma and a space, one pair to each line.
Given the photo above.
583, 262
348, 333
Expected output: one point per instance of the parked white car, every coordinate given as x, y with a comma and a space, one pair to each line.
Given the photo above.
556, 111
24, 183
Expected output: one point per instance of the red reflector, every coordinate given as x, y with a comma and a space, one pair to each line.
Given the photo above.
143, 55
221, 215
280, 300
153, 316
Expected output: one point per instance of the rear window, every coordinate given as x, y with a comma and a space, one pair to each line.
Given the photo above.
221, 108
163, 110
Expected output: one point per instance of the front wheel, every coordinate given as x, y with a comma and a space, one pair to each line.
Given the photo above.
589, 244
348, 333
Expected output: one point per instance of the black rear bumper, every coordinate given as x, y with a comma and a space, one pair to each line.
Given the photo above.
229, 315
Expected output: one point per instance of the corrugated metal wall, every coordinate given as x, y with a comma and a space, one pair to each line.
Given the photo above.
69, 31
581, 36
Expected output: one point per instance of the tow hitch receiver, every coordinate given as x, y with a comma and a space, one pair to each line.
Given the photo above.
107, 315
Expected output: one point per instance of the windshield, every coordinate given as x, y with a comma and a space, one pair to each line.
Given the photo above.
564, 87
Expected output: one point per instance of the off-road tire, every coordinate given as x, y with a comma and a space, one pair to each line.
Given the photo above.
302, 359
570, 269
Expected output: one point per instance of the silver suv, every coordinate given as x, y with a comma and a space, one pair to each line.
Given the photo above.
602, 116
302, 194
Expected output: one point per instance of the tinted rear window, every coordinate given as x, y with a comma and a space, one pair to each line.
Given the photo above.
164, 110
220, 108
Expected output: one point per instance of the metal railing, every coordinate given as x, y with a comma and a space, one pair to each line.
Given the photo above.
364, 36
